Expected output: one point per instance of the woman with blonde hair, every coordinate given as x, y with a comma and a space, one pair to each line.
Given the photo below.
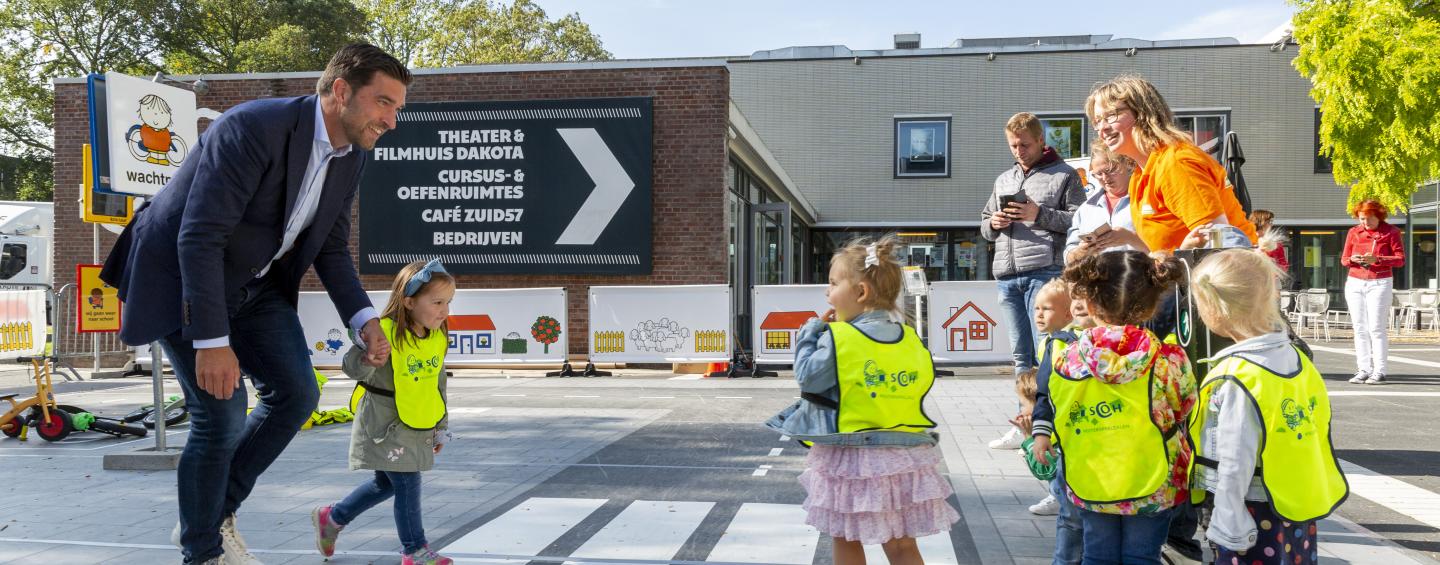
1179, 188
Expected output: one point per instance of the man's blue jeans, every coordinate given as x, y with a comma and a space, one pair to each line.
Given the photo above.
227, 450
1017, 299
1069, 530
405, 487
1111, 539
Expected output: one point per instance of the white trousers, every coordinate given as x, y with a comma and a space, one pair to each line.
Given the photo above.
1369, 304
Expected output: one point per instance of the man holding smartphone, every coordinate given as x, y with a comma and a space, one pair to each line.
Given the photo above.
1027, 217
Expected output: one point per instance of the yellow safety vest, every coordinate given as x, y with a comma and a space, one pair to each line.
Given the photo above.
1297, 462
416, 367
882, 384
1112, 449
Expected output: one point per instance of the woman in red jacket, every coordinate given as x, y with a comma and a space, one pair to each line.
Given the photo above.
1264, 220
1372, 250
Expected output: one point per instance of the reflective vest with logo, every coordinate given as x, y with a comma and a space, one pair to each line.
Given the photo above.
1297, 462
416, 365
882, 384
1113, 451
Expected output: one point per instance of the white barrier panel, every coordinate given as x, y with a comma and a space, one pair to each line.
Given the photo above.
660, 324
966, 324
780, 310
487, 326
22, 323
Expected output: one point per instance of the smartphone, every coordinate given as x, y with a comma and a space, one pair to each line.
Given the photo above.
1007, 199
1102, 230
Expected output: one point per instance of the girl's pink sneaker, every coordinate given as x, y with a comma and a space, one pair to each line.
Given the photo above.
426, 557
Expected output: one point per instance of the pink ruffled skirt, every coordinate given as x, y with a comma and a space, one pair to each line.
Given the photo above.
876, 494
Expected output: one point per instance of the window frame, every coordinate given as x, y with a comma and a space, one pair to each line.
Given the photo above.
1225, 125
1087, 130
1323, 164
949, 153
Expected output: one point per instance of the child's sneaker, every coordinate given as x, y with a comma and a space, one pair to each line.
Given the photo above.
326, 530
426, 557
1359, 378
1049, 506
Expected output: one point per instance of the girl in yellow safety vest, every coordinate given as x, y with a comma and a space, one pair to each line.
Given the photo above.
400, 419
871, 476
1121, 397
1262, 427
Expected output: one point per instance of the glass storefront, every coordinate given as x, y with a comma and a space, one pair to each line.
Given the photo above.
950, 254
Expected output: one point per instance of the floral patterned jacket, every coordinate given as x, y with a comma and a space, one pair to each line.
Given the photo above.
1120, 354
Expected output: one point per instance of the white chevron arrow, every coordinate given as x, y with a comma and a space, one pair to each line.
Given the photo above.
612, 185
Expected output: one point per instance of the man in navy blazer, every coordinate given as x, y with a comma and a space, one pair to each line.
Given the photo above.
211, 269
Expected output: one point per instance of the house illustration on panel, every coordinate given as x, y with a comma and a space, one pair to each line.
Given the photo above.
969, 329
779, 329
472, 335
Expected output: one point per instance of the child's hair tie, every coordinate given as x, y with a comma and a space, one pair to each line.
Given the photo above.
871, 259
413, 285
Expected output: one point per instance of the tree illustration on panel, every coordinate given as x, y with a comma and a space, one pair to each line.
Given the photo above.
546, 330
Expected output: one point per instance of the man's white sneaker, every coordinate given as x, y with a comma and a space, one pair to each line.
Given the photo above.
1011, 440
1047, 507
234, 546
175, 536
1376, 379
1359, 378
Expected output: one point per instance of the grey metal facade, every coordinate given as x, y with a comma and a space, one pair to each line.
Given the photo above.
830, 122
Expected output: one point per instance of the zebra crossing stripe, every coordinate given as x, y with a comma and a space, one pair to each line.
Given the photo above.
646, 530
767, 533
526, 529
936, 549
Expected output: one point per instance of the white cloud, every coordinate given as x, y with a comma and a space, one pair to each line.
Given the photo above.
1252, 23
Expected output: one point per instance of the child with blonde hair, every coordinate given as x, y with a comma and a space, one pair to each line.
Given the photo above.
1261, 429
401, 419
871, 476
1054, 318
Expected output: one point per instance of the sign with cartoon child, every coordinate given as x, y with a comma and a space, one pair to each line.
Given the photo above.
142, 131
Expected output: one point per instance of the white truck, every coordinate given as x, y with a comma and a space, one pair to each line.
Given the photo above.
27, 230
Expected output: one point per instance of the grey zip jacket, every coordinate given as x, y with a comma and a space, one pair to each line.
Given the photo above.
1028, 246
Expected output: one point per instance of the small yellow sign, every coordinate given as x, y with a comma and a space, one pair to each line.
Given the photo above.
98, 304
98, 207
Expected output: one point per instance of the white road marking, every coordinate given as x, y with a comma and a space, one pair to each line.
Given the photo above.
767, 533
1392, 358
655, 397
646, 530
775, 452
1380, 393
1392, 493
937, 550
686, 377
762, 471
784, 438
582, 396
526, 529
734, 397
507, 395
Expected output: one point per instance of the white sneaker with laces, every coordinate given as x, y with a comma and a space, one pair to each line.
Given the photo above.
1376, 379
1047, 507
1359, 378
1011, 440
234, 546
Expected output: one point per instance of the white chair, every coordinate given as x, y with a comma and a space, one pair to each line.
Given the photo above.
1426, 302
1407, 301
1312, 305
1400, 302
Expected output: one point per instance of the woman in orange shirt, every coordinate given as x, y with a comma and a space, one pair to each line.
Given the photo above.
1178, 188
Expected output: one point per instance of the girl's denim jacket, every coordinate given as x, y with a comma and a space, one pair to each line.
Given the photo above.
815, 372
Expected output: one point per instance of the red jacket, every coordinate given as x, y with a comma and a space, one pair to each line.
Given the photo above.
1384, 242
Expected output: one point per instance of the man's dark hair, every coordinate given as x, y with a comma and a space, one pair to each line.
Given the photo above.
357, 63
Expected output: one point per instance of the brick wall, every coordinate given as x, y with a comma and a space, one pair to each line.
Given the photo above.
689, 156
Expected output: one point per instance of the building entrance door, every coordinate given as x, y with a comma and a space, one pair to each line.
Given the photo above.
771, 243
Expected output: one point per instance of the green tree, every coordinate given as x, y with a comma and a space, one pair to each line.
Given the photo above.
400, 27
471, 32
256, 36
48, 39
1374, 68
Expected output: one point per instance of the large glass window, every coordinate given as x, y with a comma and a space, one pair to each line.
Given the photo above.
922, 147
12, 260
946, 254
1066, 135
1207, 131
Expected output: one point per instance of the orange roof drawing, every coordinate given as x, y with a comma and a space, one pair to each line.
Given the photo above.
787, 320
967, 306
471, 323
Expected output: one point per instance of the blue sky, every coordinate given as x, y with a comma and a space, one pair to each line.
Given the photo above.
635, 29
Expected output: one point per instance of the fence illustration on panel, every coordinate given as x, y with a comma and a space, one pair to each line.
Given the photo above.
780, 329
16, 336
472, 334
609, 342
710, 341
968, 329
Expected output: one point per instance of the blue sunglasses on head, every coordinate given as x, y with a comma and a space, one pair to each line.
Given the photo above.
419, 279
